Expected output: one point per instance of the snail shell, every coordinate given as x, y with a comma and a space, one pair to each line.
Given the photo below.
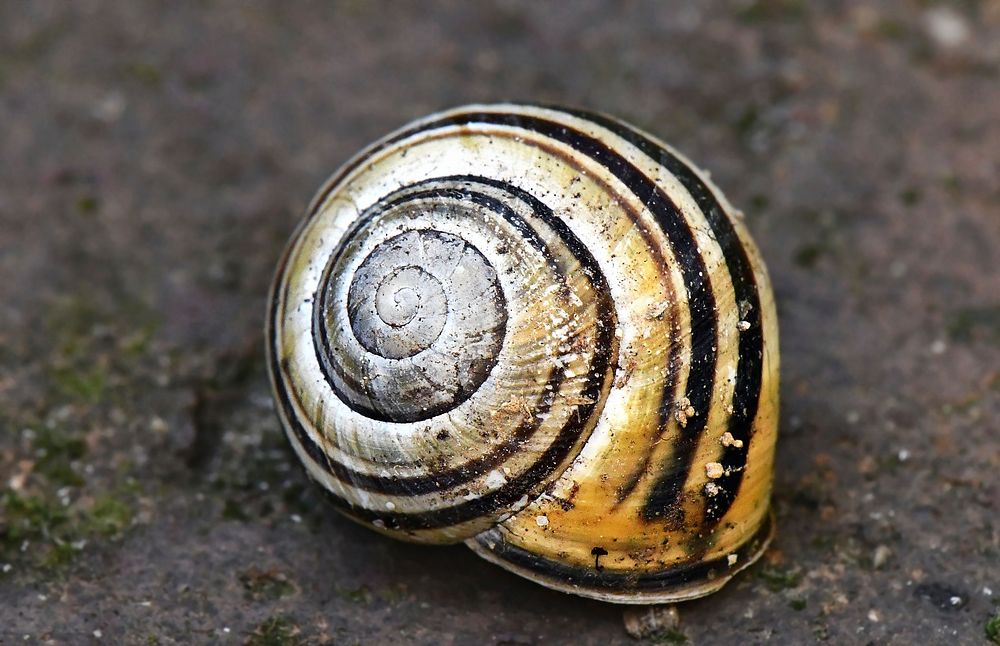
542, 332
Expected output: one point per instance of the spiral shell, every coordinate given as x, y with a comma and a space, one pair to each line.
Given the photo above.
545, 333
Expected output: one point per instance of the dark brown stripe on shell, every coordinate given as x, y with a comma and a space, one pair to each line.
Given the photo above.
749, 374
661, 581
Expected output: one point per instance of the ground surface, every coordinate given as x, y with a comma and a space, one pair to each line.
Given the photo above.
154, 157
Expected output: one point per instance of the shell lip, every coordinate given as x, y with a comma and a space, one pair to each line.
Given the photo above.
681, 583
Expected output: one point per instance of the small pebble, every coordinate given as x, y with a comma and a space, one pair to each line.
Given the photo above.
542, 521
727, 439
714, 470
109, 108
495, 479
946, 27
649, 621
881, 556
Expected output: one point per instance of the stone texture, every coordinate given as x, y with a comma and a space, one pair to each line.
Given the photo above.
154, 157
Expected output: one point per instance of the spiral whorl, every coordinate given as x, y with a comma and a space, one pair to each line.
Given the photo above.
423, 324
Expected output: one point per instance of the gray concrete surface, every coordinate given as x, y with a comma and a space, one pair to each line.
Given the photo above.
154, 157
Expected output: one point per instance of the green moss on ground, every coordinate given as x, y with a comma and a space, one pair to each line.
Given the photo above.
772, 10
24, 520
109, 516
910, 196
88, 204
87, 384
40, 530
992, 628
778, 580
145, 72
265, 584
56, 453
276, 630
92, 345
966, 323
671, 637
356, 595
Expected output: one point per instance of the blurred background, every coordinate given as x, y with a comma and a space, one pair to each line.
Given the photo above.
155, 157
